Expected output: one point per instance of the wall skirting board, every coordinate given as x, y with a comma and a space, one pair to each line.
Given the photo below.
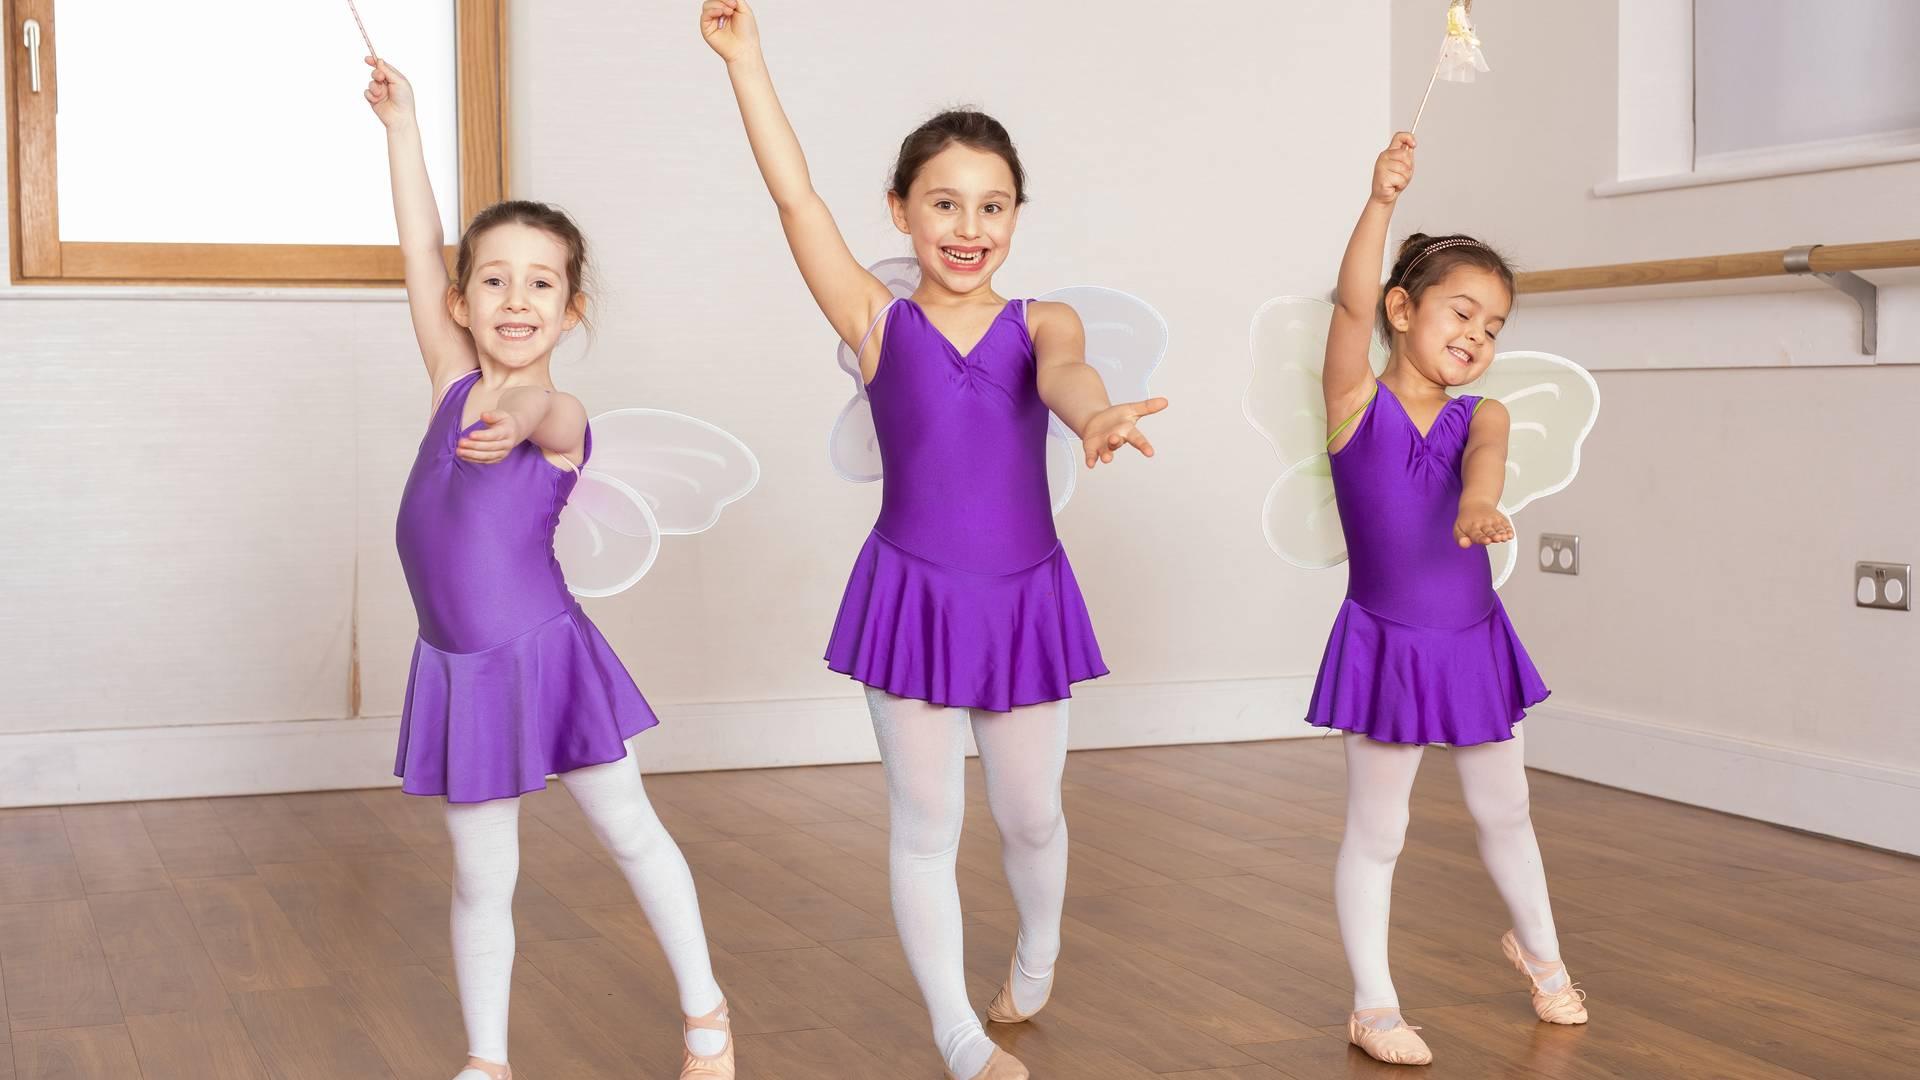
1852, 800
1840, 797
192, 761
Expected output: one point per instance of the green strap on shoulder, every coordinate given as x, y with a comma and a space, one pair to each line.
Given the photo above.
1348, 422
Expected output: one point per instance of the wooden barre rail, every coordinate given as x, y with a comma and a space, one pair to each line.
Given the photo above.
1825, 259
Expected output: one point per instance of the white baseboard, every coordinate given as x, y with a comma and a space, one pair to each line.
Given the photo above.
1840, 797
118, 765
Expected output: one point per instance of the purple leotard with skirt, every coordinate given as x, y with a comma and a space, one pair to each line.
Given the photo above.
1422, 650
510, 681
962, 595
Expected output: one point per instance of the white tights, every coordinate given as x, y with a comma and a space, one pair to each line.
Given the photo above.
486, 861
1379, 782
1023, 753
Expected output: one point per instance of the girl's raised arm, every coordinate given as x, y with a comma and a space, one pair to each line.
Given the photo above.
848, 295
446, 347
1347, 376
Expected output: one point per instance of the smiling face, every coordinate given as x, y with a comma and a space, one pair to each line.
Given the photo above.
960, 212
517, 302
1448, 333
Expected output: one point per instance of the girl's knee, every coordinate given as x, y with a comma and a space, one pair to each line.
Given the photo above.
1502, 812
1030, 828
1379, 836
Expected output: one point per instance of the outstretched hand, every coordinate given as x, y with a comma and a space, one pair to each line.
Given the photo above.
1481, 523
1117, 426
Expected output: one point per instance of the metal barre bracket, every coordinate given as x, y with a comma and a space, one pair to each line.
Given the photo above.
1865, 293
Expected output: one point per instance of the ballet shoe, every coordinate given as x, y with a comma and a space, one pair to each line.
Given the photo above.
1002, 1010
1394, 1046
1001, 1066
492, 1070
1562, 1006
716, 1066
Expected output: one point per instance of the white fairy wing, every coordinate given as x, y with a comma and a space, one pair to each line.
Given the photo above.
1504, 557
1300, 518
1554, 403
651, 473
1126, 340
1063, 470
607, 538
1285, 402
853, 447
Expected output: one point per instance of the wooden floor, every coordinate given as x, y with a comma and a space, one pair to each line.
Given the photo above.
303, 937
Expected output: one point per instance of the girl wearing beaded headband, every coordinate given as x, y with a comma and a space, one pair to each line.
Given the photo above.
1421, 651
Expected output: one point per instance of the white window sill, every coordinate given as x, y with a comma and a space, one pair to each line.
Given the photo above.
1762, 165
200, 292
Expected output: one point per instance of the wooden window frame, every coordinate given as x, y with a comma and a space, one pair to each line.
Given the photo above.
39, 257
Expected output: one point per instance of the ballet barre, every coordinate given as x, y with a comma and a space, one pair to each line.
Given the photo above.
1834, 264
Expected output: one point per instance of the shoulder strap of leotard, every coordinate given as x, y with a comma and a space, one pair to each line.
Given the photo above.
440, 394
1344, 424
871, 327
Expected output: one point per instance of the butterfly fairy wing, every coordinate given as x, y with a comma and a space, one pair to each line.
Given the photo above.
1553, 403
853, 447
1063, 470
1285, 403
1126, 341
1301, 520
1504, 557
607, 537
649, 473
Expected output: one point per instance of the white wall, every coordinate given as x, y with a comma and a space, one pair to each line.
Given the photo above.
1710, 650
201, 481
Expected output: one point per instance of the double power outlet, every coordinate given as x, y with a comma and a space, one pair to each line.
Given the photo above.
1884, 585
1559, 553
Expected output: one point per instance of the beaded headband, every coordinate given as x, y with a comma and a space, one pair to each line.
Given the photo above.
1458, 241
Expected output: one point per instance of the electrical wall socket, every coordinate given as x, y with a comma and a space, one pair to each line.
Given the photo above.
1884, 585
1559, 553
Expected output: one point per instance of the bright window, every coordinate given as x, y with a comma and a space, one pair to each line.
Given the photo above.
227, 141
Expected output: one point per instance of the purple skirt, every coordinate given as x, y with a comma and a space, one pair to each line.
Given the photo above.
917, 629
496, 723
1417, 684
